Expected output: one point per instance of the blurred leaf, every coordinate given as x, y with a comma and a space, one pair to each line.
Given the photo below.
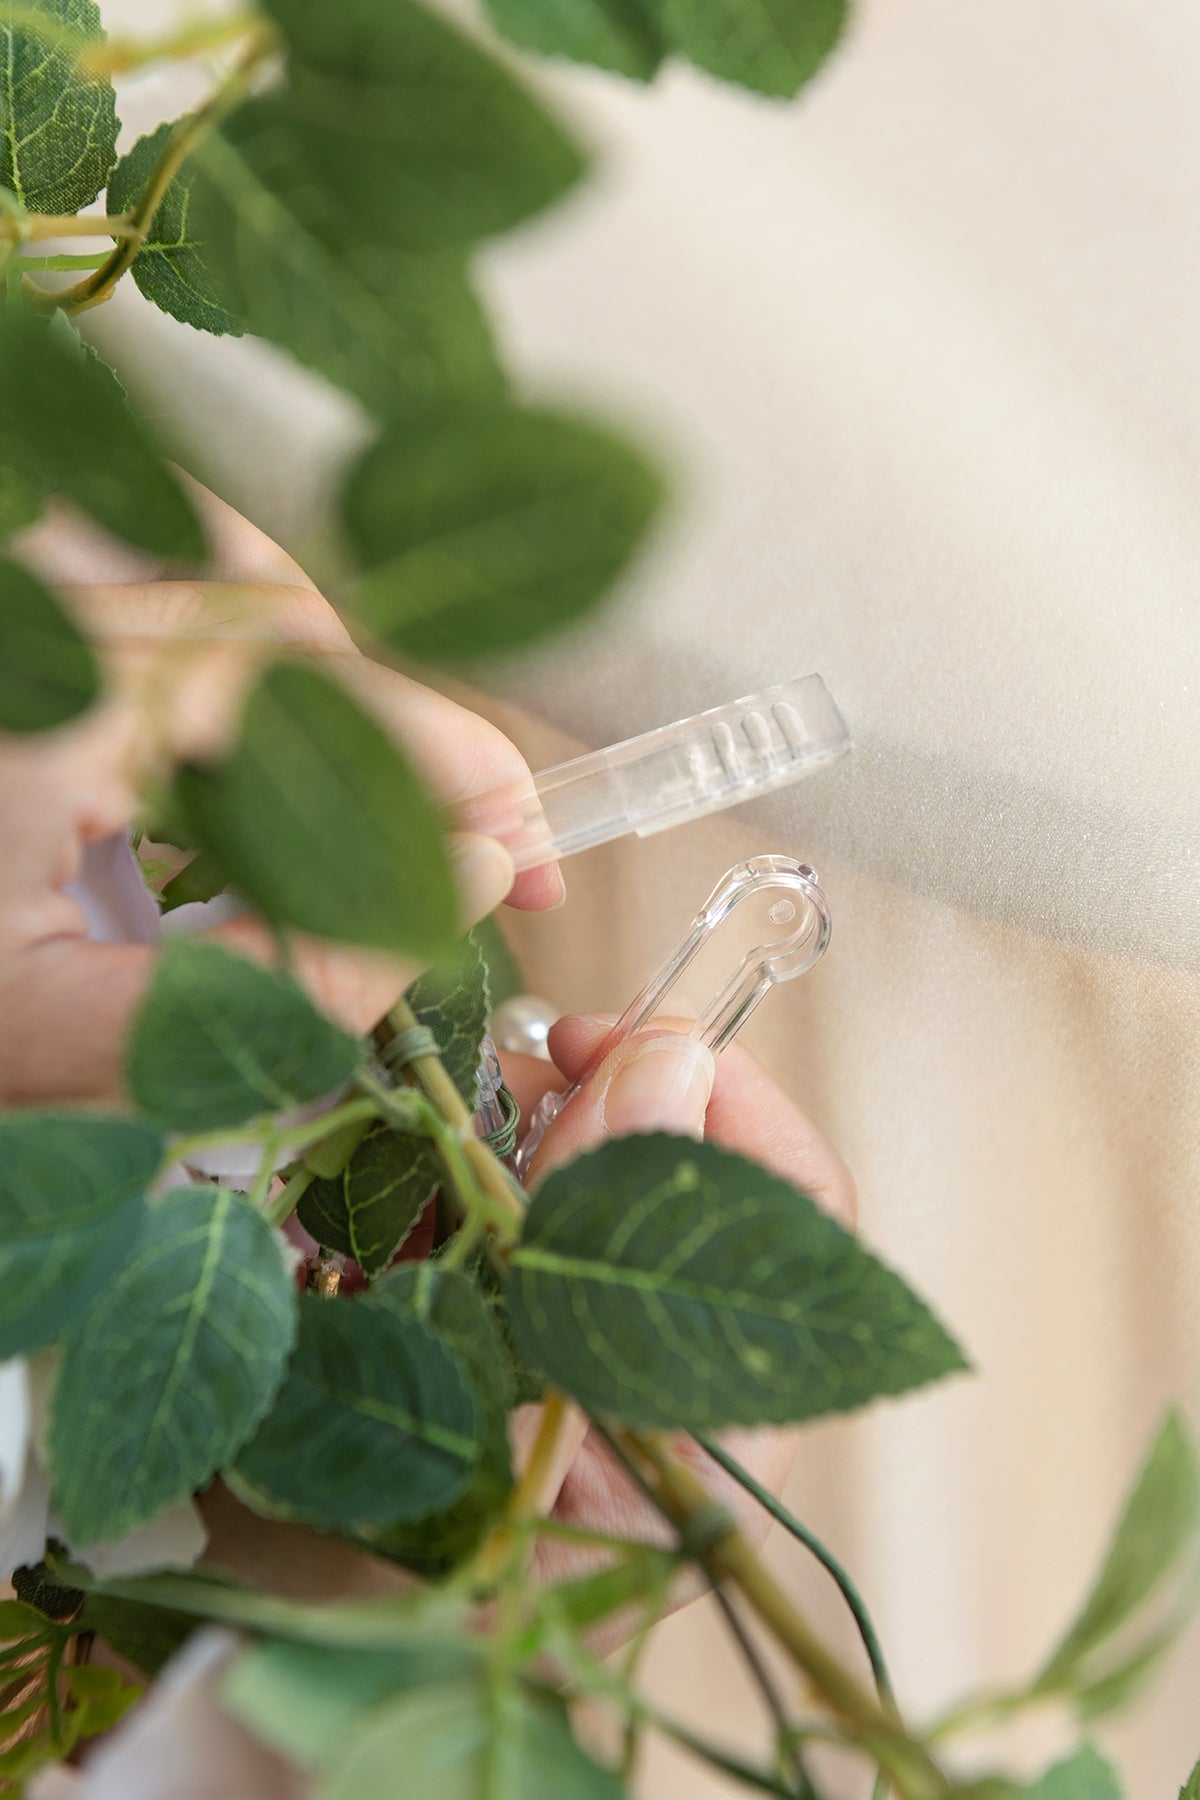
48, 672
58, 128
146, 1636
676, 1284
20, 1623
1084, 1776
450, 1306
23, 496
368, 1210
452, 1000
395, 1622
63, 415
218, 1040
374, 1423
305, 1700
71, 1187
399, 330
771, 46
321, 822
160, 1388
171, 267
613, 34
490, 527
408, 134
1191, 1787
495, 1739
1104, 1694
1158, 1525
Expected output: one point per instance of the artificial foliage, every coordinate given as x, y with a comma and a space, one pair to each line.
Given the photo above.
329, 195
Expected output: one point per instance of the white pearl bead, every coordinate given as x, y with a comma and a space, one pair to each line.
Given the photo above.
522, 1023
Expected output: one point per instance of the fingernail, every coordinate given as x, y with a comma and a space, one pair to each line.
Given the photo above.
483, 871
660, 1084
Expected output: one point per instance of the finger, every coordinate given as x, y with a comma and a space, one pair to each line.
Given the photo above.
656, 1081
748, 1112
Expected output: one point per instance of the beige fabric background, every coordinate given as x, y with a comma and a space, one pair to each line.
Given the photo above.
925, 351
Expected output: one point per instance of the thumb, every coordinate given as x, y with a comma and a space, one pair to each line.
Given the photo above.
658, 1081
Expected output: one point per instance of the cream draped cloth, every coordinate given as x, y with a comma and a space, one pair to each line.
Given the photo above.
925, 350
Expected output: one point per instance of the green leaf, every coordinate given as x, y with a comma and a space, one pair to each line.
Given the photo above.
450, 1306
307, 1701
399, 330
39, 1587
504, 977
772, 46
48, 672
218, 1040
613, 34
675, 1284
490, 527
369, 1209
171, 267
321, 822
63, 415
452, 999
374, 1423
71, 1187
481, 1740
160, 1388
1084, 1776
1158, 1525
58, 128
408, 134
19, 1623
146, 1636
1191, 1787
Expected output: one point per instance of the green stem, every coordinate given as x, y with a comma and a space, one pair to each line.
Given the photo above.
280, 1209
183, 142
984, 1709
288, 1137
118, 55
730, 1557
490, 1176
38, 265
812, 1543
261, 1186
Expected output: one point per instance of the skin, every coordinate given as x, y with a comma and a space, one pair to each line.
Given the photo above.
180, 655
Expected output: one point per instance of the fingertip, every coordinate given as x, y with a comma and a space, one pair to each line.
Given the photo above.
538, 890
574, 1040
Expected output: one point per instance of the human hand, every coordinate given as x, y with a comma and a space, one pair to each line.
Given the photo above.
180, 656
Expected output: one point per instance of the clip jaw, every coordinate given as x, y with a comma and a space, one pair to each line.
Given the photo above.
789, 922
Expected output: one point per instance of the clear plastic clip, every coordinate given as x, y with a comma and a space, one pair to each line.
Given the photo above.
776, 925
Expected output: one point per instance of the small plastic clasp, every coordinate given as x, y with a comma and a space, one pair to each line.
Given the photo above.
779, 906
